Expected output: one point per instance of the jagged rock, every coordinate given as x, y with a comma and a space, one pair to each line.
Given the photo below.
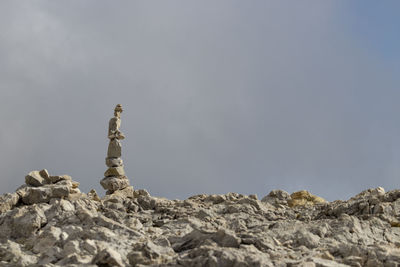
8, 201
21, 222
130, 227
47, 239
34, 179
115, 171
277, 197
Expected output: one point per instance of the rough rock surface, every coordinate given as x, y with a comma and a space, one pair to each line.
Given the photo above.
54, 227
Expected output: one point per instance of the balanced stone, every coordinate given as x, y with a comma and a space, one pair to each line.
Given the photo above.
114, 171
114, 149
114, 183
114, 162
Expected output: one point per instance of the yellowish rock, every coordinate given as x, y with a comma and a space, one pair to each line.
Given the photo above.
304, 198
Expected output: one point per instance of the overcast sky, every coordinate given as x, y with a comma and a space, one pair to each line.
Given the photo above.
218, 96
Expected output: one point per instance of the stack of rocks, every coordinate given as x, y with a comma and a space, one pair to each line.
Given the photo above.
115, 178
41, 187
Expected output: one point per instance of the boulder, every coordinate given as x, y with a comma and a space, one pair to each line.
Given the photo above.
45, 193
114, 183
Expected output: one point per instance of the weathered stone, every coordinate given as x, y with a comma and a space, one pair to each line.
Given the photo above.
115, 171
8, 201
114, 149
47, 239
114, 183
34, 179
114, 162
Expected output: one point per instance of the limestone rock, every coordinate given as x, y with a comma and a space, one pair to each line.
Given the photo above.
132, 228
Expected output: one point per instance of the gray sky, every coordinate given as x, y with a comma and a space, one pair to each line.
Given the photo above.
219, 96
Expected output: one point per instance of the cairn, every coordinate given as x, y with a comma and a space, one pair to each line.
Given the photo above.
115, 178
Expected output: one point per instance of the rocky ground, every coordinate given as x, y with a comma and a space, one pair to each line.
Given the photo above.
49, 222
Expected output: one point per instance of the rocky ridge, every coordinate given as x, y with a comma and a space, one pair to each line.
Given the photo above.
49, 222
